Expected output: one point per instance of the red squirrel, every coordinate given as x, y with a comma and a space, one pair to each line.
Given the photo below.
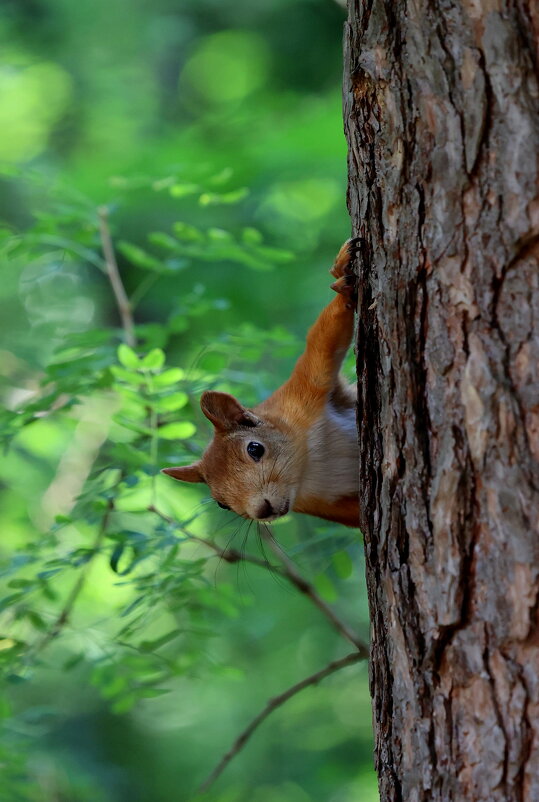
298, 449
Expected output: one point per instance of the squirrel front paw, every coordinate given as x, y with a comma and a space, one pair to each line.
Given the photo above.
346, 283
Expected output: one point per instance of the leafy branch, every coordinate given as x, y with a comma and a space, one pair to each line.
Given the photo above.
228, 554
286, 569
65, 614
291, 573
147, 418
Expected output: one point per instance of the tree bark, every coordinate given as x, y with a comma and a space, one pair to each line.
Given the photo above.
440, 109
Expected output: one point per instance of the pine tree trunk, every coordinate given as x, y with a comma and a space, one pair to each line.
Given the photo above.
441, 106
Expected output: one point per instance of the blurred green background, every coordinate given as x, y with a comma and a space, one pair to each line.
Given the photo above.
211, 131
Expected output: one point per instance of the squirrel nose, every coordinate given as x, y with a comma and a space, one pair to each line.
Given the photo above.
266, 510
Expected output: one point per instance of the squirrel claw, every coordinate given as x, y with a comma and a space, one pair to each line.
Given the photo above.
346, 280
354, 244
342, 285
346, 254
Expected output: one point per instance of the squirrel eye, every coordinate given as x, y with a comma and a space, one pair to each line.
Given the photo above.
255, 451
223, 506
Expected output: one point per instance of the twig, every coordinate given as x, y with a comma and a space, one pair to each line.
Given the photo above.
122, 301
272, 705
287, 570
228, 555
67, 609
291, 573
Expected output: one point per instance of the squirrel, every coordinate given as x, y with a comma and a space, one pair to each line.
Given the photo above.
297, 450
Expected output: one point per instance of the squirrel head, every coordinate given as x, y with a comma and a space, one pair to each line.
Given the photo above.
252, 466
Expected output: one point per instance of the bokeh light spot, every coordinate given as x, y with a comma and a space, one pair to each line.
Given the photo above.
33, 99
226, 67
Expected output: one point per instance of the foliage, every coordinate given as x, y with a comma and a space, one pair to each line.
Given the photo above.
128, 618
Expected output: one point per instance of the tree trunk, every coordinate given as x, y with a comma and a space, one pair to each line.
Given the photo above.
440, 104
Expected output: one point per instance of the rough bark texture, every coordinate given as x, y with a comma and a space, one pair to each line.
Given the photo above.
441, 102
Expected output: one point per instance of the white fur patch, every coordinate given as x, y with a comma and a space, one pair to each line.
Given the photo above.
332, 459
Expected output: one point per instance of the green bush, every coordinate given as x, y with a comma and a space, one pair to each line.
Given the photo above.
142, 628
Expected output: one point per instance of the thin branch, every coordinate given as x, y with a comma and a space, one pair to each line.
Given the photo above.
291, 573
228, 555
271, 705
67, 609
122, 301
287, 570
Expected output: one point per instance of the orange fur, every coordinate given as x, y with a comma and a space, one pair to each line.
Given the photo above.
306, 430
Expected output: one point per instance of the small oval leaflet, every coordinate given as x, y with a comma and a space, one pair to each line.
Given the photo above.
177, 431
168, 377
154, 360
173, 402
128, 357
343, 564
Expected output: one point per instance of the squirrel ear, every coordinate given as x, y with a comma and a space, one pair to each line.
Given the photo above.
225, 412
186, 473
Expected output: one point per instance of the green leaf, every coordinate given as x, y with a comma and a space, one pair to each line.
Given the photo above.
168, 377
131, 426
177, 431
343, 564
124, 704
153, 645
128, 357
63, 519
219, 235
137, 554
116, 556
134, 604
217, 198
275, 255
151, 693
251, 236
16, 679
72, 662
140, 257
325, 588
171, 403
20, 583
154, 360
36, 620
112, 688
8, 601
163, 183
187, 233
221, 178
178, 323
183, 190
163, 240
126, 375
